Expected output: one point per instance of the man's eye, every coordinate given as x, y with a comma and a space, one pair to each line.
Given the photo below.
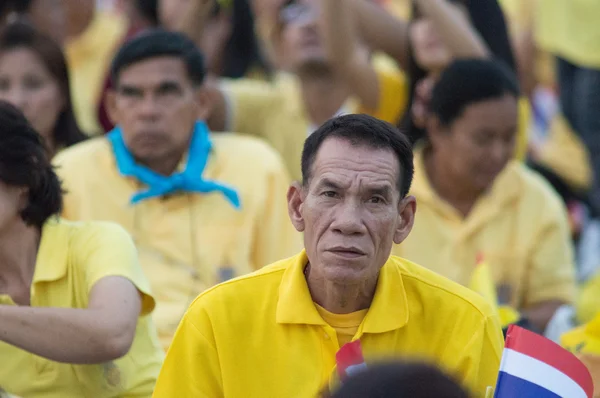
329, 194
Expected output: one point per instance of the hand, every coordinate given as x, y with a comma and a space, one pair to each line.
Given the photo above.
420, 105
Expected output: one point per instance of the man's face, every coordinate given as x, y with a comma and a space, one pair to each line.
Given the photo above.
156, 104
478, 145
301, 46
351, 211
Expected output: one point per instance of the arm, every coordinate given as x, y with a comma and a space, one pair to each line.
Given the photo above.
345, 55
455, 28
102, 332
191, 368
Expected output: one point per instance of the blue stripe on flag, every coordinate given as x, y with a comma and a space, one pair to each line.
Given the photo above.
510, 386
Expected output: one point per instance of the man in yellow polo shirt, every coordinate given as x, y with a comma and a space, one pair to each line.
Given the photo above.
276, 332
74, 303
202, 208
475, 202
309, 91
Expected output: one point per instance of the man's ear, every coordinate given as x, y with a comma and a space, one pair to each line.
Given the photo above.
111, 106
204, 103
295, 198
407, 208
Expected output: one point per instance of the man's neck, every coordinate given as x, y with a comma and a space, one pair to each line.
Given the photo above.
19, 246
323, 96
340, 298
461, 198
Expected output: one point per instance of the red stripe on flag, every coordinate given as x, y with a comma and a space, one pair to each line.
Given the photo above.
542, 349
350, 354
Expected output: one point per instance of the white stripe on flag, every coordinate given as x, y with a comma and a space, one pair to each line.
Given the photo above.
540, 373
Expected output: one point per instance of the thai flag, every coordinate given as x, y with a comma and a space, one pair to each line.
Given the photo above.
349, 360
533, 366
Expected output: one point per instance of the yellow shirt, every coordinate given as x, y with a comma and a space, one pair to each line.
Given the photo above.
275, 112
520, 227
570, 29
89, 56
345, 325
261, 335
72, 257
188, 242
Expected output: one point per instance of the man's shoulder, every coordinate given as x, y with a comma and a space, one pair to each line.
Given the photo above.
436, 290
534, 189
246, 150
245, 292
86, 152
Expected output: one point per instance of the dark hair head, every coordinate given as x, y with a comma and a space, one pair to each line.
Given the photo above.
24, 162
400, 380
362, 130
20, 6
487, 19
470, 81
154, 43
149, 10
22, 35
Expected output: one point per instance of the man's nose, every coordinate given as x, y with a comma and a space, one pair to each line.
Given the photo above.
347, 219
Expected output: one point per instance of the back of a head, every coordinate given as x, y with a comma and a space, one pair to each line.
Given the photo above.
154, 43
365, 130
400, 380
469, 81
149, 10
24, 162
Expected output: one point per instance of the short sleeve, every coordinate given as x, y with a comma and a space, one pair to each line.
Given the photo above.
249, 104
191, 368
105, 249
552, 262
393, 95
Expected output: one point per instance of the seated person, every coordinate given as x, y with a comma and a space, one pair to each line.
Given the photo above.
74, 302
309, 92
34, 78
475, 202
296, 314
201, 208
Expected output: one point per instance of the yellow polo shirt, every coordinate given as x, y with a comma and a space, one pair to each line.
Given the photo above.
89, 56
261, 335
188, 242
570, 29
71, 258
520, 227
275, 111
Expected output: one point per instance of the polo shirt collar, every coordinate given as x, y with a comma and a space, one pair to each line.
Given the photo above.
388, 311
51, 261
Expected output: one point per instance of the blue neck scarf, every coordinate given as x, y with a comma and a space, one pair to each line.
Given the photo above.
190, 180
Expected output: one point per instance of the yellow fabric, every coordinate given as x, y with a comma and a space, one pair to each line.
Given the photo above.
588, 303
275, 112
72, 257
570, 29
188, 242
565, 154
482, 282
345, 325
266, 324
89, 56
520, 227
522, 141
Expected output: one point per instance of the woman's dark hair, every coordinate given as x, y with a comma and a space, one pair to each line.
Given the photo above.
468, 81
149, 10
24, 162
243, 51
22, 35
488, 20
400, 380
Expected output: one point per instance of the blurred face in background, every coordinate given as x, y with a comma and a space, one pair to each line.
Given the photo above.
300, 46
50, 18
26, 82
476, 146
156, 105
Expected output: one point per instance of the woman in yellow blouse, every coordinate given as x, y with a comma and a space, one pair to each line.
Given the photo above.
74, 303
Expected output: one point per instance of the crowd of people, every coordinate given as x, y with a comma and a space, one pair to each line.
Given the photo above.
223, 198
